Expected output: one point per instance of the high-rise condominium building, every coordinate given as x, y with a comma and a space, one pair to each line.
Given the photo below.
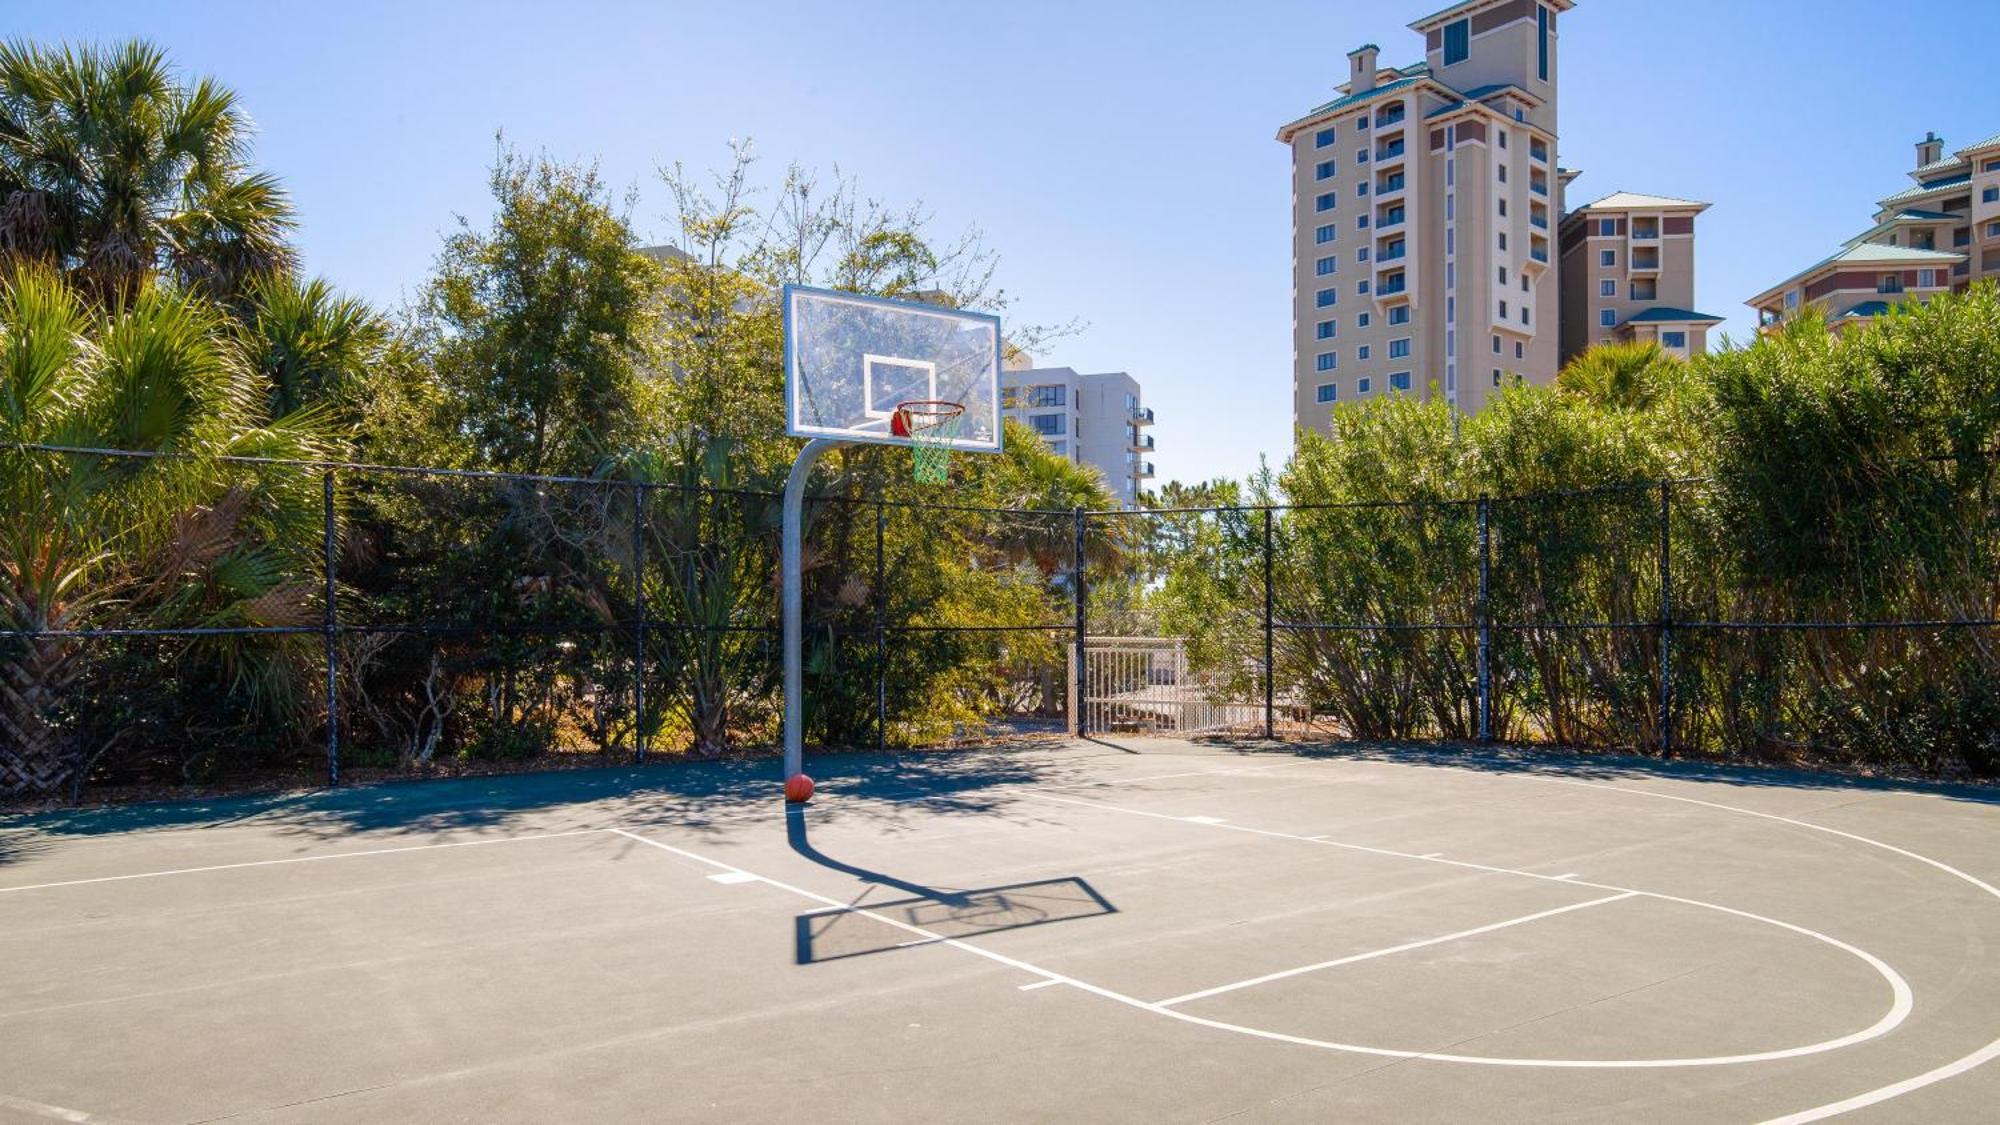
1425, 202
1628, 275
1090, 419
1942, 234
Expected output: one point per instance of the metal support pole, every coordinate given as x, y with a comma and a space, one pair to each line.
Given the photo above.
331, 628
881, 628
639, 609
1666, 619
1485, 620
793, 600
1081, 594
1270, 668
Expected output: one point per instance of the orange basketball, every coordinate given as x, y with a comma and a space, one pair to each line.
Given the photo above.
798, 789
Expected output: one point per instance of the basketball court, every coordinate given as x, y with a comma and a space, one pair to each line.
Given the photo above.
1138, 930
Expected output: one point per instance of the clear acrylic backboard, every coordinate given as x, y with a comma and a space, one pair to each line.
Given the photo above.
851, 360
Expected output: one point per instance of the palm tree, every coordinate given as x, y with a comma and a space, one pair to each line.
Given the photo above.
181, 538
310, 343
1630, 376
115, 171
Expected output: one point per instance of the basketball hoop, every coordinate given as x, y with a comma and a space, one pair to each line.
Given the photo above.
930, 425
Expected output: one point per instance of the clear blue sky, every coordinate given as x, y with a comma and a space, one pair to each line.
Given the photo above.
1119, 156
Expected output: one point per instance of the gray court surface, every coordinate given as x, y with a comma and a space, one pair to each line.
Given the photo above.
1138, 931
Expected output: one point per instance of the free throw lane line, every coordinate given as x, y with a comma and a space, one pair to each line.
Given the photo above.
1897, 1013
1404, 948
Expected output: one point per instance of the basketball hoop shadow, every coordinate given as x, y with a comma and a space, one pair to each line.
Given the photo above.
841, 932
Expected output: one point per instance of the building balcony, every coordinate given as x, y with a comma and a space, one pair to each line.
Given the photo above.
1538, 151
1390, 185
1143, 416
1143, 470
1390, 153
1539, 222
1142, 444
1539, 186
1392, 115
1645, 261
1395, 286
1395, 253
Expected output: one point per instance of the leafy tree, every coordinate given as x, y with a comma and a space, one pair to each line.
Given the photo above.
533, 327
115, 171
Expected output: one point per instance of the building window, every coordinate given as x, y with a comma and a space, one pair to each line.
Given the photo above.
1324, 330
1675, 340
1361, 188
1607, 288
1542, 42
1990, 166
1503, 275
1362, 288
1520, 350
1323, 267
1399, 315
1502, 169
1323, 170
1324, 234
1324, 298
1361, 255
1399, 380
1927, 279
1503, 208
1502, 134
1324, 202
1525, 322
1503, 240
1048, 394
1361, 321
1362, 384
1361, 124
1608, 318
1457, 41
1496, 376
1361, 352
1993, 230
1399, 349
1608, 259
1361, 156
1792, 299
1049, 424
1326, 392
1323, 138
1059, 448
1990, 195
1503, 310
1324, 362
1890, 283
1361, 222
1496, 345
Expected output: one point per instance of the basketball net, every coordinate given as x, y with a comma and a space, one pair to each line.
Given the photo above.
930, 426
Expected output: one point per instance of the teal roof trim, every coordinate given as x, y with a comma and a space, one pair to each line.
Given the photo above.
1338, 104
1673, 316
1925, 189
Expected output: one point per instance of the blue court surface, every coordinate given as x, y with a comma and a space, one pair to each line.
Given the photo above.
1134, 931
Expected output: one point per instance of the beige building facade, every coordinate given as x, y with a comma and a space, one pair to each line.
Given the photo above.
1628, 275
1940, 235
1425, 205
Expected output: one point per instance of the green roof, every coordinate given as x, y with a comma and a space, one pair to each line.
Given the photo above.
1940, 165
1672, 316
1990, 142
1338, 104
1925, 189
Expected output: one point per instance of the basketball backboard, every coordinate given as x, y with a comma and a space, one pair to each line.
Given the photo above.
851, 360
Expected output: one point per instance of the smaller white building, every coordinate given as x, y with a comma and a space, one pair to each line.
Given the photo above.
1090, 419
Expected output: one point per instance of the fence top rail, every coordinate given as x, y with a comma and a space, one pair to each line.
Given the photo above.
365, 467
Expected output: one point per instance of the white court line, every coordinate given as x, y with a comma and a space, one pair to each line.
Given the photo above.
1426, 855
302, 859
727, 878
53, 1112
1218, 990
1571, 875
1038, 984
1898, 1012
1203, 819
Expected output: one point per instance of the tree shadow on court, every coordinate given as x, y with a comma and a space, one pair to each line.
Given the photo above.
1607, 767
703, 797
929, 913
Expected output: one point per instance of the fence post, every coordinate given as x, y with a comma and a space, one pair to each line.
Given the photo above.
639, 631
1666, 619
1078, 590
330, 628
881, 628
1270, 668
1485, 619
